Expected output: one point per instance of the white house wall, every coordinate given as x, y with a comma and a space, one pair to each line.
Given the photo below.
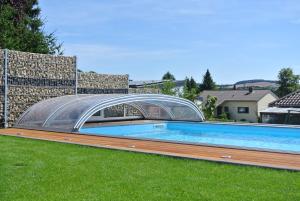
252, 116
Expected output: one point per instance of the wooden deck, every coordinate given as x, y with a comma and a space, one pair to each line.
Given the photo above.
227, 155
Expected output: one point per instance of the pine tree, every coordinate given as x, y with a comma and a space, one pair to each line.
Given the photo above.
190, 90
193, 83
22, 28
168, 76
208, 83
187, 84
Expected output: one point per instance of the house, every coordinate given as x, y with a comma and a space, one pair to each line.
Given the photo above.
241, 105
285, 110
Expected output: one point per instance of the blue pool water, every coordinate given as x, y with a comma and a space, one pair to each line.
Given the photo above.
244, 136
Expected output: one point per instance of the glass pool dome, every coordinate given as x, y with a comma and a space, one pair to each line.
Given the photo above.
69, 113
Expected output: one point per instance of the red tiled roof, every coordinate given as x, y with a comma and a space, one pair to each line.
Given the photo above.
290, 100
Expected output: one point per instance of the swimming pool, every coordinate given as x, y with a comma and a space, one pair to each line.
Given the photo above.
281, 139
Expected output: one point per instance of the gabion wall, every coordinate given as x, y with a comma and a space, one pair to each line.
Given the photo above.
93, 83
35, 77
1, 86
144, 91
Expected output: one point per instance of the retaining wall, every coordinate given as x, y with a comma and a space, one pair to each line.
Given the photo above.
144, 91
34, 77
94, 83
1, 86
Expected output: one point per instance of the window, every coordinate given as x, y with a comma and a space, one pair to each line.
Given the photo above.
243, 109
219, 110
226, 109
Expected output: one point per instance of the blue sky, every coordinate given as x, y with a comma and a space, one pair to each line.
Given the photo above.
235, 39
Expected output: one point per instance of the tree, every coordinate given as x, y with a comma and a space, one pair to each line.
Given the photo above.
190, 83
288, 82
193, 83
168, 88
210, 107
168, 76
207, 83
190, 90
187, 84
190, 94
22, 28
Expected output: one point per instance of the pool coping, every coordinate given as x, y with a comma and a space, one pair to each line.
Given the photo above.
192, 143
149, 121
134, 122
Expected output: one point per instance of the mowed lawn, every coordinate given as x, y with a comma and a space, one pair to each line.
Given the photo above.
39, 170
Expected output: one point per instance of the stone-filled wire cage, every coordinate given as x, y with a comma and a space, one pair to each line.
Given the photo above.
27, 78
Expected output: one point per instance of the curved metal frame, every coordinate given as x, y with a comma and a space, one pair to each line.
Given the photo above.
115, 99
145, 114
125, 100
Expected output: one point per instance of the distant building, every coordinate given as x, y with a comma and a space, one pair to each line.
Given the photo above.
241, 105
255, 84
285, 110
179, 84
145, 83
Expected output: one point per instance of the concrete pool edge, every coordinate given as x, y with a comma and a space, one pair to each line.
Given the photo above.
255, 158
193, 143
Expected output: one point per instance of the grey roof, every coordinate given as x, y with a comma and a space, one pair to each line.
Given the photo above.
290, 100
277, 110
236, 95
142, 83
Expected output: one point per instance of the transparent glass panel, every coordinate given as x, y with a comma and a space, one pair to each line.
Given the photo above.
182, 112
36, 115
154, 111
114, 111
178, 111
118, 112
67, 112
132, 111
66, 117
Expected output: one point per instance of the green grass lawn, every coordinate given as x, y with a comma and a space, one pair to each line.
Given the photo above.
39, 170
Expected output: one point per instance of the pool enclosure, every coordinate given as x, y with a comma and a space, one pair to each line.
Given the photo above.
70, 113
